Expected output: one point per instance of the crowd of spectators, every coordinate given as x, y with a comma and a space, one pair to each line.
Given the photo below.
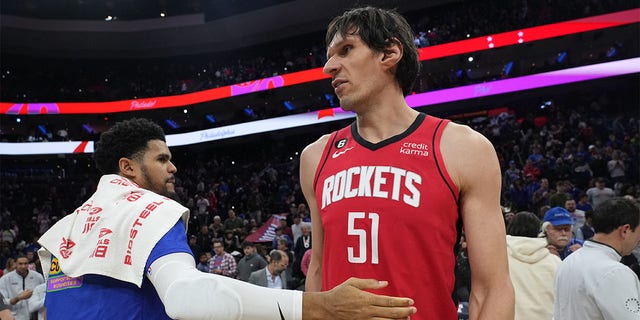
38, 79
562, 149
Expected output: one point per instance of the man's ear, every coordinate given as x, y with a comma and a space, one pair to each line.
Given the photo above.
127, 167
624, 230
392, 53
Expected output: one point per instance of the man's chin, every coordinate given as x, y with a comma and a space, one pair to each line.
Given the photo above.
171, 195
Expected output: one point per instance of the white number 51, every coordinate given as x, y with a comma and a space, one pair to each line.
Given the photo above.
362, 238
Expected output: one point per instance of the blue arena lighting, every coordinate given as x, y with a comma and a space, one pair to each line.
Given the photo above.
171, 124
329, 98
561, 57
210, 118
87, 128
289, 105
508, 67
249, 112
42, 129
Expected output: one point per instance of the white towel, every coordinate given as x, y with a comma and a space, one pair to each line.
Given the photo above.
112, 233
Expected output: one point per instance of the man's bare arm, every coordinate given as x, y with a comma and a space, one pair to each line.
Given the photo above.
472, 163
309, 159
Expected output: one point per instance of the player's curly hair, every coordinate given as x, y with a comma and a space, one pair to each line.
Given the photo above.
378, 28
126, 139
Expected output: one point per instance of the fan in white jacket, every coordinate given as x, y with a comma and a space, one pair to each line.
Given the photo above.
531, 268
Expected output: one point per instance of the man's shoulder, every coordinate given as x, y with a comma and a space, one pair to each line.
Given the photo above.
258, 272
255, 275
35, 273
7, 276
315, 148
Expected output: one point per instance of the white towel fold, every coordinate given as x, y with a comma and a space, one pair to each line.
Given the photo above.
112, 233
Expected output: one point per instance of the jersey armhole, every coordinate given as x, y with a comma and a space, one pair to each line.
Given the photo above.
442, 170
324, 157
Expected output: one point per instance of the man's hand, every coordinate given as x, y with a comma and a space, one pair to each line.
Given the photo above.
26, 294
575, 247
553, 250
348, 301
6, 315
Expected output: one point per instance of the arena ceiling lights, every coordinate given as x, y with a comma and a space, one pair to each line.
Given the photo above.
433, 52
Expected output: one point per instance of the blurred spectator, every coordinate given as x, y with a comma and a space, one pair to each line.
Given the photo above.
221, 262
284, 246
463, 272
304, 264
616, 167
204, 238
231, 242
561, 195
557, 229
586, 232
196, 250
273, 275
531, 267
577, 215
217, 228
302, 245
203, 262
251, 261
583, 203
296, 228
599, 193
233, 223
592, 282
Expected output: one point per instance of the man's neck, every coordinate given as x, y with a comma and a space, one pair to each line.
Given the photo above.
379, 124
609, 241
272, 272
23, 274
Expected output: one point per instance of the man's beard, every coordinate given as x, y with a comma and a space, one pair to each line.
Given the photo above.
163, 191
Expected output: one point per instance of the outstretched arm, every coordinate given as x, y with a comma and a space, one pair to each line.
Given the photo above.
471, 160
213, 296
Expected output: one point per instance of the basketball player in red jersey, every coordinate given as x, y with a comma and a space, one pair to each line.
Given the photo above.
390, 193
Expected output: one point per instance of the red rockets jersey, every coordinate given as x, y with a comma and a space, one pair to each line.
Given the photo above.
390, 212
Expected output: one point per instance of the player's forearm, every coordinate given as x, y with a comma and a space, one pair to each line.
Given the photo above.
189, 294
14, 300
494, 303
313, 283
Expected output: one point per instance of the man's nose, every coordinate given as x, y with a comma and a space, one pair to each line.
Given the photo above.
331, 67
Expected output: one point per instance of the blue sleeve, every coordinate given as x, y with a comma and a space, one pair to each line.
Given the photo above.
174, 241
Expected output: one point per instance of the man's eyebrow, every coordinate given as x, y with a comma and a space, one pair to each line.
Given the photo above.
335, 45
164, 156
